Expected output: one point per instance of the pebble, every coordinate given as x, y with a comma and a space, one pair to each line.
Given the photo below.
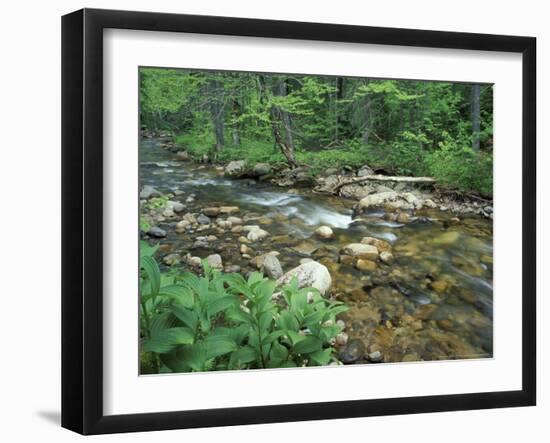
203, 219
342, 339
365, 265
375, 357
386, 257
353, 351
211, 212
156, 232
215, 261
324, 232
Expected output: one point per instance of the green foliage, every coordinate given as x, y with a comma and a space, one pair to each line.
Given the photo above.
353, 155
157, 202
144, 224
457, 165
401, 126
223, 321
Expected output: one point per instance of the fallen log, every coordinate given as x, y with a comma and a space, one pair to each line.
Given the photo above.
382, 178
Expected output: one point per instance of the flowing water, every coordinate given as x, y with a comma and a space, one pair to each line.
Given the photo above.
435, 301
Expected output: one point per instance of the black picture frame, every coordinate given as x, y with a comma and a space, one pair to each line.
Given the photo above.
82, 218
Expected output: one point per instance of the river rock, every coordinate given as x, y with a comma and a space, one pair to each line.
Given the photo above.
324, 232
365, 171
272, 267
235, 220
228, 209
310, 274
244, 249
224, 224
182, 155
232, 269
381, 245
355, 191
181, 226
171, 259
156, 232
366, 265
190, 218
305, 247
261, 169
378, 199
403, 217
203, 219
257, 234
200, 242
258, 261
361, 250
346, 259
429, 203
235, 168
176, 206
215, 261
412, 199
342, 339
386, 257
149, 192
355, 350
211, 211
194, 261
375, 357
383, 188
168, 213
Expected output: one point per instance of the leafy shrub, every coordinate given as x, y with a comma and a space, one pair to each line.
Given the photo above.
353, 155
223, 321
157, 202
144, 224
456, 165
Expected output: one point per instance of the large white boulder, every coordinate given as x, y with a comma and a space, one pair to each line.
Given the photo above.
311, 274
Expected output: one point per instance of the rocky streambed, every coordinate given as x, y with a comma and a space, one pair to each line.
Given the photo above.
417, 279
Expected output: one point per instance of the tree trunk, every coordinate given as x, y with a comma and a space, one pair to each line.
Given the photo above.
279, 119
236, 110
475, 116
285, 116
367, 126
217, 109
337, 96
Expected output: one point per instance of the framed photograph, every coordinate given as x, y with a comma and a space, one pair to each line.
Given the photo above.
269, 221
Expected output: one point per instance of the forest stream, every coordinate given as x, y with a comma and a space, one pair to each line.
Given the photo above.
432, 301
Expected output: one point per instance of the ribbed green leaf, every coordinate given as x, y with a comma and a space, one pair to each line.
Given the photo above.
181, 336
237, 315
287, 321
219, 345
309, 344
278, 352
179, 293
313, 318
145, 250
321, 357
221, 304
149, 265
244, 355
188, 317
272, 336
264, 321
